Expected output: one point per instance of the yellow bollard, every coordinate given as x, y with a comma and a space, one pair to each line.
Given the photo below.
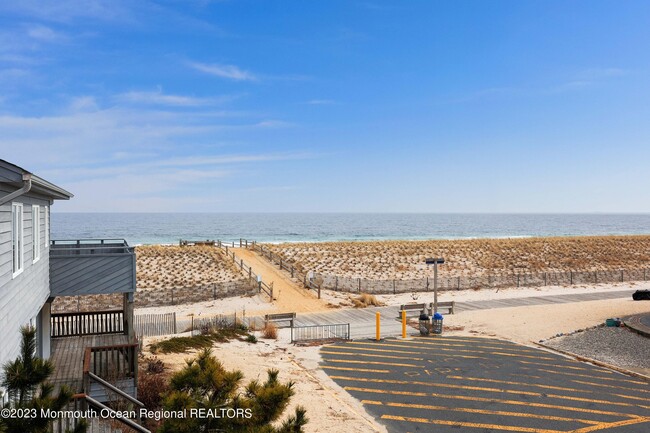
403, 324
378, 325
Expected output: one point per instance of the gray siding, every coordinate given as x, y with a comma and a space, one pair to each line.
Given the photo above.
92, 274
22, 297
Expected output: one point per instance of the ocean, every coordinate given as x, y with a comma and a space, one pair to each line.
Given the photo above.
168, 228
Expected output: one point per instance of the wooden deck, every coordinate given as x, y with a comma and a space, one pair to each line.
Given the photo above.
68, 357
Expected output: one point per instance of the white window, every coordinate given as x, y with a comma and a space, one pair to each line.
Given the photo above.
36, 232
47, 226
17, 237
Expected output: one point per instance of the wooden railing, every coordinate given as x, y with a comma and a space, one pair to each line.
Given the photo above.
87, 323
113, 422
112, 362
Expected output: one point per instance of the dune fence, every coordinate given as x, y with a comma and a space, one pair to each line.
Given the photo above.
362, 285
152, 325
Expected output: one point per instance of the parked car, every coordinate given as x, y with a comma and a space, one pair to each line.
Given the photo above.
641, 295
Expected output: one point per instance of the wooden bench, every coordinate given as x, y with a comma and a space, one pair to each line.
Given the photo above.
280, 317
447, 307
411, 308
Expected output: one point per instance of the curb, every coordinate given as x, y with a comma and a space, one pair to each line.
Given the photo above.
596, 362
634, 323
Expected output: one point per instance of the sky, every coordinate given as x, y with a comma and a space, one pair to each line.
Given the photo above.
330, 106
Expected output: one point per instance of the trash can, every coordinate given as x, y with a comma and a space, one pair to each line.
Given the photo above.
437, 323
425, 324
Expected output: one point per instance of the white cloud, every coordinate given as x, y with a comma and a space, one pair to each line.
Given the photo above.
160, 98
224, 71
44, 34
321, 102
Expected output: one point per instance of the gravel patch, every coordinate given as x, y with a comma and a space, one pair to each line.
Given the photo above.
616, 346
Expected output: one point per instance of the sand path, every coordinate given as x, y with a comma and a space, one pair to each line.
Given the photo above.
288, 295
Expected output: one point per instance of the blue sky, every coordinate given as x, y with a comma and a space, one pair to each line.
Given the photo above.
353, 106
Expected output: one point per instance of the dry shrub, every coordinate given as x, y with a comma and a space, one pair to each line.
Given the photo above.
270, 331
366, 300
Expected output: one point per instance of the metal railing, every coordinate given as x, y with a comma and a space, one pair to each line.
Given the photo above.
87, 323
339, 331
67, 247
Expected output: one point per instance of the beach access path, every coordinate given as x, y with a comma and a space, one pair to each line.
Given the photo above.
288, 295
362, 320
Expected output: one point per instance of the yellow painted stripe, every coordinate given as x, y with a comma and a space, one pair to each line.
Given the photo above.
491, 400
590, 376
605, 385
510, 347
368, 355
347, 347
571, 367
483, 411
510, 382
401, 345
603, 426
470, 424
478, 388
366, 370
390, 364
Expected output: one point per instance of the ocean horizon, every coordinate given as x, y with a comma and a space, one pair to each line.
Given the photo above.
168, 228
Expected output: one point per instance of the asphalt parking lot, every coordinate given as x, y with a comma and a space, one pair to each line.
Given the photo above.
457, 384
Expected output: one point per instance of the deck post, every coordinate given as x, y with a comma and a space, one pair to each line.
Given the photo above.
129, 329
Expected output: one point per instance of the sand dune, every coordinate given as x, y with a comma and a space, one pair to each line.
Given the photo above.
404, 259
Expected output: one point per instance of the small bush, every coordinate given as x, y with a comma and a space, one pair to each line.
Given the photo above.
251, 338
270, 331
155, 365
366, 300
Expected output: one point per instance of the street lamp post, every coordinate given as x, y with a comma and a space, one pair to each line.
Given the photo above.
435, 261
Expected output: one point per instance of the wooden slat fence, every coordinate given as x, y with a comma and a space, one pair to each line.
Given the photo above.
151, 325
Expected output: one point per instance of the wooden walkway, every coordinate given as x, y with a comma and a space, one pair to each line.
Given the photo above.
68, 357
362, 321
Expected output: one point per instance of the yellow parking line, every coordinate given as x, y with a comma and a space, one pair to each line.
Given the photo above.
491, 400
470, 424
369, 355
503, 347
347, 347
590, 376
510, 382
565, 366
365, 370
483, 411
499, 390
390, 364
603, 426
605, 385
453, 350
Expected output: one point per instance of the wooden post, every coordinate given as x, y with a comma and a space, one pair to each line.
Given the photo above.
377, 326
336, 283
622, 275
173, 296
249, 272
292, 269
241, 264
359, 290
546, 278
517, 280
427, 284
214, 291
596, 277
174, 313
240, 242
319, 291
393, 287
571, 277
458, 288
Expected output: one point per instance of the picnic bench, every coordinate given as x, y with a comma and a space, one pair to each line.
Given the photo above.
448, 307
280, 317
